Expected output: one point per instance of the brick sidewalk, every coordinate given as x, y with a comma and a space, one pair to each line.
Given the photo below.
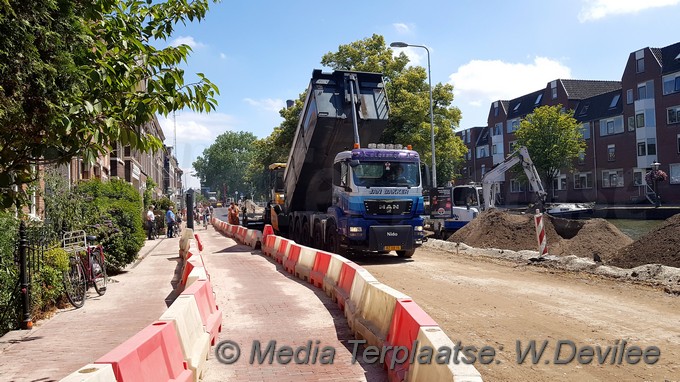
261, 302
75, 337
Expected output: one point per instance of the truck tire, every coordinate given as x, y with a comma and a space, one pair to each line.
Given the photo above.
317, 237
334, 240
304, 234
406, 254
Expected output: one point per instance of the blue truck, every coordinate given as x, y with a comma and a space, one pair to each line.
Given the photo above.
340, 190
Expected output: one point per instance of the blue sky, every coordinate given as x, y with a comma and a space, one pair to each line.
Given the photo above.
261, 53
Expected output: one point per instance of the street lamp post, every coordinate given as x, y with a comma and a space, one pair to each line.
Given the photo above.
655, 173
429, 78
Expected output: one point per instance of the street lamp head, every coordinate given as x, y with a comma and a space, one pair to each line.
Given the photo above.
655, 165
398, 44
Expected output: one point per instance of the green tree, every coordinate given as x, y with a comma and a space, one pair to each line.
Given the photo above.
79, 76
223, 165
554, 141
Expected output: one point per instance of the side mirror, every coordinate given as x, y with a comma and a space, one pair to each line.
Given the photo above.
354, 162
425, 173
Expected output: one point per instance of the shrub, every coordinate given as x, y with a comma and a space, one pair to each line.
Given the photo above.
47, 285
9, 273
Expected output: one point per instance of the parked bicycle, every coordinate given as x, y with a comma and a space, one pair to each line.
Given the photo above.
87, 267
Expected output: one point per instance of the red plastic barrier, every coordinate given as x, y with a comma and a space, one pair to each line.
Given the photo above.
321, 262
292, 259
268, 247
189, 265
211, 315
153, 354
241, 234
407, 320
281, 250
344, 287
198, 242
232, 230
268, 230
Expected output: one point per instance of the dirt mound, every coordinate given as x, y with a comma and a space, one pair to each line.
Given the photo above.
503, 230
659, 246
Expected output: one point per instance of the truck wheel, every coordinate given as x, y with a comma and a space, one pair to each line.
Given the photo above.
318, 237
304, 234
406, 254
334, 240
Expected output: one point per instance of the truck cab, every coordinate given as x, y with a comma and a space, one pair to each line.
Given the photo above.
377, 200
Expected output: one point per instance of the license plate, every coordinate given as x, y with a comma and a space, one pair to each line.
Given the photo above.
393, 247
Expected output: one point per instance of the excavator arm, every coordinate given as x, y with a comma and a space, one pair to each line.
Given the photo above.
491, 180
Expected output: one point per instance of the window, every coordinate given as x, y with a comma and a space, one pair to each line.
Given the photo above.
560, 183
638, 177
641, 149
581, 158
516, 186
678, 143
610, 127
481, 151
517, 106
483, 169
642, 91
629, 96
513, 125
612, 178
640, 65
583, 180
585, 130
631, 123
584, 110
498, 129
640, 120
651, 146
513, 145
671, 83
494, 149
538, 99
674, 173
553, 89
615, 101
673, 114
495, 111
611, 153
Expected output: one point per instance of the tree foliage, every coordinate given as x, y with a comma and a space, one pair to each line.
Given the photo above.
408, 92
554, 141
78, 76
223, 165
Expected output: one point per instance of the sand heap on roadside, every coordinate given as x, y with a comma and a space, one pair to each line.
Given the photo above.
504, 230
659, 246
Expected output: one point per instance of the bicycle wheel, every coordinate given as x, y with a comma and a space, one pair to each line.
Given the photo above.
98, 271
75, 282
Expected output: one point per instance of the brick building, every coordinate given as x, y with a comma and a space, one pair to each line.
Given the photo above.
627, 125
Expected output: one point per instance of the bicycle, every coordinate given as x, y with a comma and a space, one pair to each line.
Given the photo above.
87, 267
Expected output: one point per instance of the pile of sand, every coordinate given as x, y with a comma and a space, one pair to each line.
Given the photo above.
659, 246
503, 230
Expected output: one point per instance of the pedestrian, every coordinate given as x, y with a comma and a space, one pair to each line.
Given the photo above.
170, 221
232, 216
150, 221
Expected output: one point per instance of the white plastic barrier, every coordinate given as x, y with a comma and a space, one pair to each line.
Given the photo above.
333, 274
272, 251
253, 237
434, 337
198, 273
361, 278
194, 339
185, 241
92, 373
375, 312
305, 262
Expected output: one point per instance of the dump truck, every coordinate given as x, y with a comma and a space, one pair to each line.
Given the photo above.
340, 189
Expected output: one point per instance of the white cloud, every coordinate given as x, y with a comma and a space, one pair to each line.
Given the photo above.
195, 132
416, 56
402, 28
478, 83
223, 56
187, 40
597, 9
268, 104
